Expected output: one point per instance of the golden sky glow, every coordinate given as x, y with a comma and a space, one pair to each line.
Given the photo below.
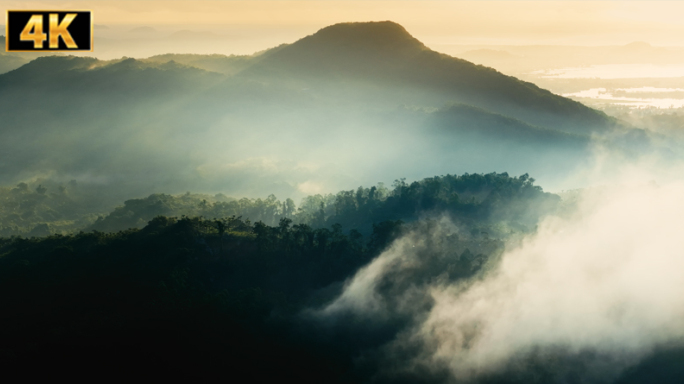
434, 22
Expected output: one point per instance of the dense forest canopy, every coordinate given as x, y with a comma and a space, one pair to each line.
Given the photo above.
229, 278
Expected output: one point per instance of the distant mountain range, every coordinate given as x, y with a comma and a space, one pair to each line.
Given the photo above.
524, 60
353, 103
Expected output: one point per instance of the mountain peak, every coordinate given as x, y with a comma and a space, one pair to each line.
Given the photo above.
378, 35
347, 47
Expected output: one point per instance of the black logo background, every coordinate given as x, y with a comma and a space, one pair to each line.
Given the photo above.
80, 30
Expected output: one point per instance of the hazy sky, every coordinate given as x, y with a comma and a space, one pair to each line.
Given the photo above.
433, 22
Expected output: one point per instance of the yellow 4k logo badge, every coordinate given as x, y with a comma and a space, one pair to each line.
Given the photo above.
49, 31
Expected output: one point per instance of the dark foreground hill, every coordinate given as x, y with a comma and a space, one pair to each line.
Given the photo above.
211, 299
231, 300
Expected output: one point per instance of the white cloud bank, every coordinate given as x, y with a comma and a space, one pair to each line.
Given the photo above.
607, 278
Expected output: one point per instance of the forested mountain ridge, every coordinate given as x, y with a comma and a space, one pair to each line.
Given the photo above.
386, 53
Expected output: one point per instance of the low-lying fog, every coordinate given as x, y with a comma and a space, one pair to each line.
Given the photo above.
594, 291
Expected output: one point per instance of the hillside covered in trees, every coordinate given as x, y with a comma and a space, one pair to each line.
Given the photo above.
215, 284
191, 294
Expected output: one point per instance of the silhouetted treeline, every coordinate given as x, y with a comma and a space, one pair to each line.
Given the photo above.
497, 201
469, 198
